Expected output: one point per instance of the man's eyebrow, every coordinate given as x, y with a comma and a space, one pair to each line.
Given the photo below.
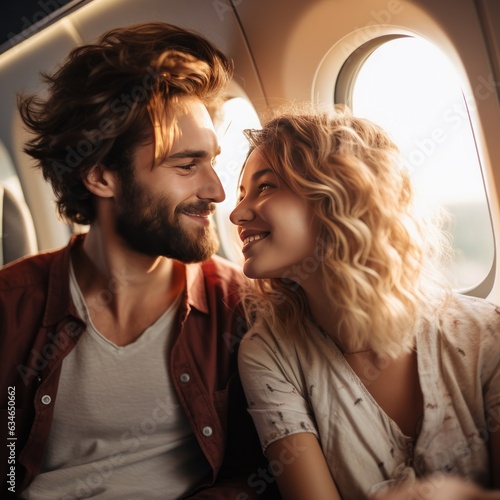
193, 153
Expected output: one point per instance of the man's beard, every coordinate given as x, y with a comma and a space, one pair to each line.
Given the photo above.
150, 225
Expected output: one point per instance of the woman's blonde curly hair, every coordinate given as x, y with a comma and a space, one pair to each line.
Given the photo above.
376, 254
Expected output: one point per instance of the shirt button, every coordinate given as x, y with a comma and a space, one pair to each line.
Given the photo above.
207, 431
46, 399
185, 377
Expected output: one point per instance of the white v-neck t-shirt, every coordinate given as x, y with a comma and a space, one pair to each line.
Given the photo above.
306, 385
119, 431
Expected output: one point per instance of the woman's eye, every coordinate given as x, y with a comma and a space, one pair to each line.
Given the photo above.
264, 187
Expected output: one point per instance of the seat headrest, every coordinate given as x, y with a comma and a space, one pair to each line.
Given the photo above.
17, 231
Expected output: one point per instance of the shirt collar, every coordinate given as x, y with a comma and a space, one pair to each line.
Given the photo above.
60, 303
195, 287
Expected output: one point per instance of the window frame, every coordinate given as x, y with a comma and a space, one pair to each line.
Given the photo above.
343, 94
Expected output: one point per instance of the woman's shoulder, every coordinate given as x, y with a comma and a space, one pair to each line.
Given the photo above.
269, 345
470, 323
261, 340
468, 310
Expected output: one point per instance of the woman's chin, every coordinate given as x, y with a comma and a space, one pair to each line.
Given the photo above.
251, 273
251, 270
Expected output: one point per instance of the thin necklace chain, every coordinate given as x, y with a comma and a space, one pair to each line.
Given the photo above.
357, 352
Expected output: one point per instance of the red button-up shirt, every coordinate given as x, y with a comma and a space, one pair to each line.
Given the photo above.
39, 326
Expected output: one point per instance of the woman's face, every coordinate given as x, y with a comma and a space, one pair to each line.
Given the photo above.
275, 225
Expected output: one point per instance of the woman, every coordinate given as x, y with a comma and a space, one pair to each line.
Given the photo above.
362, 371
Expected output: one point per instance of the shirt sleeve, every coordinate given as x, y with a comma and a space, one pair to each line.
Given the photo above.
274, 387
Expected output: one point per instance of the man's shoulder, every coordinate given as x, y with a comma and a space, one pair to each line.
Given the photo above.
220, 269
224, 279
28, 271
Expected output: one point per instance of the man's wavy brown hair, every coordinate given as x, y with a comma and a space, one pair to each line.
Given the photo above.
110, 96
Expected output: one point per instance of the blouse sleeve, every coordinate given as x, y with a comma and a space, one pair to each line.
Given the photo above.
272, 380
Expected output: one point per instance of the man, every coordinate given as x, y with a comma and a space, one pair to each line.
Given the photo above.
119, 351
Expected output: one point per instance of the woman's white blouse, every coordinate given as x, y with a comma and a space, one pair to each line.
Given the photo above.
306, 385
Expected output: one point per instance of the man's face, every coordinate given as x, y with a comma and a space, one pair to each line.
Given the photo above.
165, 209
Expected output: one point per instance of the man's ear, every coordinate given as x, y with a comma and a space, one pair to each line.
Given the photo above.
101, 181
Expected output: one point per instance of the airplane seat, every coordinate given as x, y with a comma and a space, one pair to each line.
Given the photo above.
17, 231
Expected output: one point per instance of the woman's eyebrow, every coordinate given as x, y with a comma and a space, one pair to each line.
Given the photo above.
257, 175
261, 173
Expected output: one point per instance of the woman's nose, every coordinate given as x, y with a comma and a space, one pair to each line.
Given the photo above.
241, 213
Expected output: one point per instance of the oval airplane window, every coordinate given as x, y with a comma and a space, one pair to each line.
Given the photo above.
408, 87
234, 116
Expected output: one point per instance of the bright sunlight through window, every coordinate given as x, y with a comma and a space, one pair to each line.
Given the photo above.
411, 90
237, 114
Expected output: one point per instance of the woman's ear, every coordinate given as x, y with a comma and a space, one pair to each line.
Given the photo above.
101, 181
